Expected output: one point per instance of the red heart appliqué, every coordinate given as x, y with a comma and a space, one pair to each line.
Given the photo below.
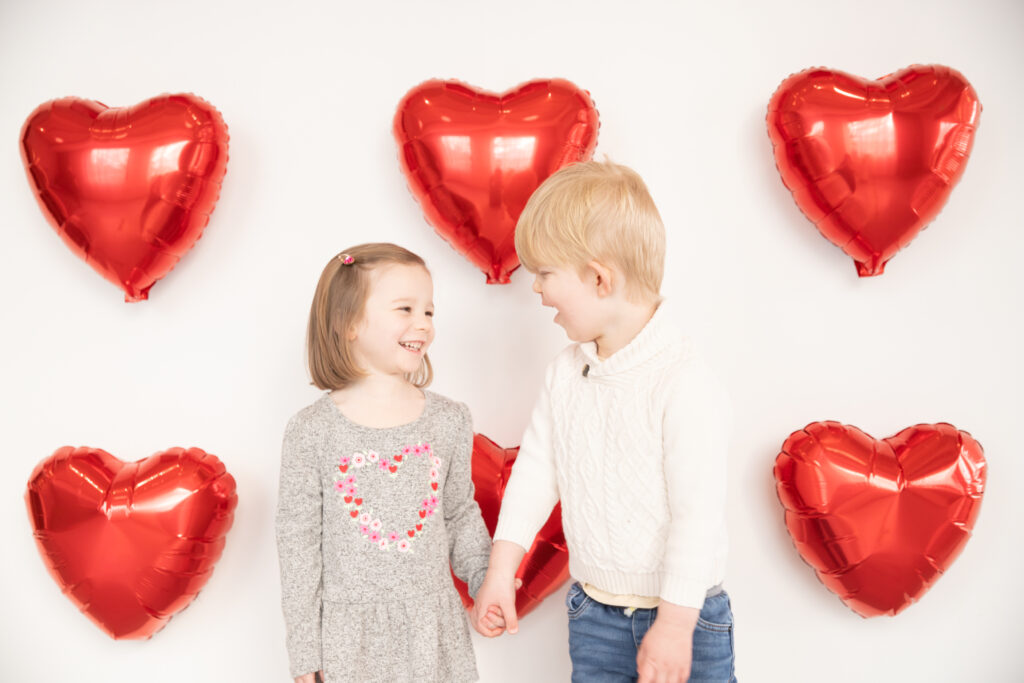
871, 163
473, 158
545, 566
880, 519
131, 189
130, 544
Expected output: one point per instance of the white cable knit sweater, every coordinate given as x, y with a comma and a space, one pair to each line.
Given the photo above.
635, 448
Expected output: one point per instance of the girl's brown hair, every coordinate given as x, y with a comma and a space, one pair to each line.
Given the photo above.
338, 305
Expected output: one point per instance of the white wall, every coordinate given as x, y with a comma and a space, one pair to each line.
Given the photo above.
215, 358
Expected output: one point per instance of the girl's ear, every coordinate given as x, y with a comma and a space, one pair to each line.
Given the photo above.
601, 276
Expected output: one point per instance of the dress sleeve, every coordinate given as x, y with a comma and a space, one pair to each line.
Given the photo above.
695, 441
469, 544
299, 527
532, 489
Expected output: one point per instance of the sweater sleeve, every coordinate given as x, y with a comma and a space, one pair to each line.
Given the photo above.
532, 489
299, 527
695, 440
469, 544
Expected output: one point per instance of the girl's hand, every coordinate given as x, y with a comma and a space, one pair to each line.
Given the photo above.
666, 651
309, 678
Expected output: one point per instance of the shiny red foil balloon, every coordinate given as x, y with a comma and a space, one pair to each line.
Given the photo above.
871, 163
545, 566
473, 158
130, 544
880, 519
129, 190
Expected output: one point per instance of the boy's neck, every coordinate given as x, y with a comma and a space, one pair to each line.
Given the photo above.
624, 325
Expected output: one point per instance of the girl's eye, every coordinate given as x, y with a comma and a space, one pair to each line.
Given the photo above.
407, 309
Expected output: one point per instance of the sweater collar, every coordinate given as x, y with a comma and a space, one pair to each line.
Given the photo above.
659, 333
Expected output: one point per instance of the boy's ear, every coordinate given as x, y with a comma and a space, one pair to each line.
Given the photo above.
601, 276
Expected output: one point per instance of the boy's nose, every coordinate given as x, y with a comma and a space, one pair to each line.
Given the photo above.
536, 285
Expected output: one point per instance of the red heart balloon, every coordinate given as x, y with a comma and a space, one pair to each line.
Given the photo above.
545, 566
473, 158
130, 544
129, 190
880, 520
871, 163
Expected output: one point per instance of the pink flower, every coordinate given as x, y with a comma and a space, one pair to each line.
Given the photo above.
418, 450
383, 466
425, 504
351, 490
375, 525
406, 451
372, 456
433, 475
426, 447
350, 479
344, 460
364, 530
430, 512
435, 461
383, 544
365, 518
358, 460
403, 545
374, 536
433, 501
393, 536
339, 486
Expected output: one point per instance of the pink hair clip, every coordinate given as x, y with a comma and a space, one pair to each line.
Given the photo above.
346, 259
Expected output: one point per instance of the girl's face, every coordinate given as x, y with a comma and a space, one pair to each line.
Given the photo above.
398, 322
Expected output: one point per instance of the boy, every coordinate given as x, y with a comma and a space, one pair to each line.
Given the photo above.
630, 433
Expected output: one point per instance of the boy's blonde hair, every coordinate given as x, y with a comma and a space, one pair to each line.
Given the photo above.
339, 303
595, 211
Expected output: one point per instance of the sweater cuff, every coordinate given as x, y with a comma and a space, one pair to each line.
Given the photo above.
683, 591
306, 665
522, 534
475, 581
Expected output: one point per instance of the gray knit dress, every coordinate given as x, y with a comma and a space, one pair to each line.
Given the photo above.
367, 523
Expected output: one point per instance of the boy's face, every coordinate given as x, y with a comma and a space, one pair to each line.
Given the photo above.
575, 299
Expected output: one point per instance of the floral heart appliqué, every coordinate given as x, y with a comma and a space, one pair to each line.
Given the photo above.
370, 526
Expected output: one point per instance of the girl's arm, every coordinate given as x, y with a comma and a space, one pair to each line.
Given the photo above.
469, 544
298, 525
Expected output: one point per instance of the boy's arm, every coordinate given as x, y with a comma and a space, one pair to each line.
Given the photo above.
530, 495
695, 441
469, 544
298, 526
532, 489
695, 435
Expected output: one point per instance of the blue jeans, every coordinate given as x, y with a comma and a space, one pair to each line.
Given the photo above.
604, 640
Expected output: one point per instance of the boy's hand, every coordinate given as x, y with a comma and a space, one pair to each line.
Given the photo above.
667, 649
309, 678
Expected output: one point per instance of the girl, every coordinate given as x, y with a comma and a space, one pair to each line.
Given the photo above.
375, 495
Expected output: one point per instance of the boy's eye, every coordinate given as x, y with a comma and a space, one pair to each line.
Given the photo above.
430, 314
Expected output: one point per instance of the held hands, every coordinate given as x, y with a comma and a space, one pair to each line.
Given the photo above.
309, 678
661, 658
488, 614
495, 606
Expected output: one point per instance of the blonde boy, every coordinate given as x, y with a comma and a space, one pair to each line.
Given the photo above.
630, 434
